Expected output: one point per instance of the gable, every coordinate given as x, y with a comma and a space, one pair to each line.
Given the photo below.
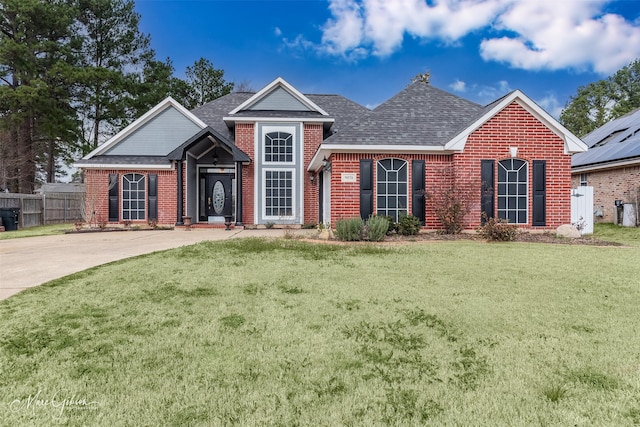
572, 144
279, 100
158, 136
279, 96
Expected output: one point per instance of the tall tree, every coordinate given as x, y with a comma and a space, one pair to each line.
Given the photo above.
35, 55
599, 102
113, 49
206, 82
156, 82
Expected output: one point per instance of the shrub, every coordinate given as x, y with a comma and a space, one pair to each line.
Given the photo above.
497, 229
408, 225
349, 229
376, 228
393, 226
453, 198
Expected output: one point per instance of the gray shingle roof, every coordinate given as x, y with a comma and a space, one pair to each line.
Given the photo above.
339, 108
616, 140
418, 115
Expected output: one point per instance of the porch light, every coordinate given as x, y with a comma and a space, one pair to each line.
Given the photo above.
325, 162
312, 177
215, 158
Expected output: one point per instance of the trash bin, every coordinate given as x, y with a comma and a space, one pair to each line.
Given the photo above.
10, 218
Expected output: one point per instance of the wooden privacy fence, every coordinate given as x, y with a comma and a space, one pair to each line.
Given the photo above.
52, 208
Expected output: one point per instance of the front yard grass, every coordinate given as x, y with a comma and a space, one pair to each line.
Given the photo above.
281, 332
41, 230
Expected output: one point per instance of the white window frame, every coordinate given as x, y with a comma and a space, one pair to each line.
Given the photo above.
129, 210
506, 210
397, 209
584, 179
293, 194
263, 143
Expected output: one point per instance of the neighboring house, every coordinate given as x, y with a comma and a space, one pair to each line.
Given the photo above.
72, 189
611, 165
280, 156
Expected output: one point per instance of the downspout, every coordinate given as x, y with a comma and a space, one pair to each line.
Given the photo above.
239, 194
180, 195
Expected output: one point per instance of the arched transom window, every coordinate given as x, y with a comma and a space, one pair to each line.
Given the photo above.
512, 191
392, 188
133, 197
278, 147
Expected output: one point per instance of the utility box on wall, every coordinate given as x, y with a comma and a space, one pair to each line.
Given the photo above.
582, 209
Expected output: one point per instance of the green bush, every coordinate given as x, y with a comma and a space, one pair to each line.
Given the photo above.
349, 229
376, 228
497, 229
408, 225
393, 226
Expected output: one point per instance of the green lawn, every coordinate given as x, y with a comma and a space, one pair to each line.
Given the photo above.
256, 332
42, 230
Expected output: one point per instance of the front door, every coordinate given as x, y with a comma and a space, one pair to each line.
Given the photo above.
217, 197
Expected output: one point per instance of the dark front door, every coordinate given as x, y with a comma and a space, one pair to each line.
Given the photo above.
217, 195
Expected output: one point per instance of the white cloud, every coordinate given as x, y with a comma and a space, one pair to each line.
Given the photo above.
551, 105
277, 31
557, 35
491, 93
539, 34
458, 86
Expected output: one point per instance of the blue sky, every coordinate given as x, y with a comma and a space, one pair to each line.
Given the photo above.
368, 50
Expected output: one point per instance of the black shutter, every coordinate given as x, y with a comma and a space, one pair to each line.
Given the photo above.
153, 197
417, 189
487, 197
366, 188
539, 193
113, 197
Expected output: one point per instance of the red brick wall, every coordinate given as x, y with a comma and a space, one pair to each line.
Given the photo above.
610, 185
515, 127
97, 182
245, 140
312, 140
345, 196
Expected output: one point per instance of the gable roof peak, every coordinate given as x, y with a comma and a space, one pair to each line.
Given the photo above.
279, 84
147, 117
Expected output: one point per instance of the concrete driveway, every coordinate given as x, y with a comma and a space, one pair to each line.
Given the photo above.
31, 261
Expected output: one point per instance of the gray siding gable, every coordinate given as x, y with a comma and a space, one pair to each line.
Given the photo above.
158, 137
279, 100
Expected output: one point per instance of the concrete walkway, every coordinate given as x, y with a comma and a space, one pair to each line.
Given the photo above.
32, 261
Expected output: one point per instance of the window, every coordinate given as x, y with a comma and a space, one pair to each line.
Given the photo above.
392, 188
133, 197
278, 195
583, 180
278, 147
512, 191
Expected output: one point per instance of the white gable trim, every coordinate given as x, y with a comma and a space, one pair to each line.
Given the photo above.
122, 166
572, 144
142, 120
278, 120
279, 82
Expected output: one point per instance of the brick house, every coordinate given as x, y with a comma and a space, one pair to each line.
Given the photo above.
611, 165
283, 157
